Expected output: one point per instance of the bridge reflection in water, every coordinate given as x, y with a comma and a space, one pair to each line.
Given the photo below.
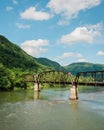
36, 95
91, 78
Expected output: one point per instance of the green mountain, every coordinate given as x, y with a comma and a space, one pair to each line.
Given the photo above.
83, 66
49, 63
12, 56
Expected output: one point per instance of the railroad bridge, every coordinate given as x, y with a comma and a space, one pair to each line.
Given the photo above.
92, 78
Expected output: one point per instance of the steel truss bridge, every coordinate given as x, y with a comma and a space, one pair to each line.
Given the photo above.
92, 78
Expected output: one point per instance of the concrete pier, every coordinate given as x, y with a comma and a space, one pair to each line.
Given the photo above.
73, 93
36, 87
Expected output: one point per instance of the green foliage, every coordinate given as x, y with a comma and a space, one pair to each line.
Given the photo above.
14, 62
6, 78
51, 64
10, 79
12, 56
83, 66
87, 79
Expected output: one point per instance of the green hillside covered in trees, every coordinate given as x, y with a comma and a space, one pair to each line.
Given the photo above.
12, 56
14, 62
83, 66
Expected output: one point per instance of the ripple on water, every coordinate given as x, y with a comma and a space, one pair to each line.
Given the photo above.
54, 111
11, 115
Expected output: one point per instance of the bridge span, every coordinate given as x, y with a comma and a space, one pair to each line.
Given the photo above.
88, 78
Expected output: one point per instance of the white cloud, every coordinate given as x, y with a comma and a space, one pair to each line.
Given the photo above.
9, 8
82, 60
100, 53
32, 14
69, 9
69, 57
15, 2
22, 26
35, 47
85, 34
70, 54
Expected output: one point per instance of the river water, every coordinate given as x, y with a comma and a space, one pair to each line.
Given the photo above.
51, 109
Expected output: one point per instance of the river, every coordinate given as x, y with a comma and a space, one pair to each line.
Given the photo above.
51, 109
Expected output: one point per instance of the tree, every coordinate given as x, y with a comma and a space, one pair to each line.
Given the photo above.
5, 83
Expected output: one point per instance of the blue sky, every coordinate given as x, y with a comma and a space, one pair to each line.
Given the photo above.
65, 31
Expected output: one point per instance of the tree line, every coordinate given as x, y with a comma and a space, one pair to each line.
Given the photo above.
10, 78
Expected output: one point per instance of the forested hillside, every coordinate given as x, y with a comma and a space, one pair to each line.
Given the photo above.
49, 63
12, 56
84, 66
14, 62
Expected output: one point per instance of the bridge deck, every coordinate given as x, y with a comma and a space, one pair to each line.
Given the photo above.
80, 83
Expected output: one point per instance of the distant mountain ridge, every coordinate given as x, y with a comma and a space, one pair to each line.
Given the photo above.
50, 63
74, 68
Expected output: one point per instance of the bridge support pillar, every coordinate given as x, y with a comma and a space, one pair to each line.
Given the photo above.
36, 87
73, 93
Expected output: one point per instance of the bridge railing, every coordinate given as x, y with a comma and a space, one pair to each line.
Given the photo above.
55, 77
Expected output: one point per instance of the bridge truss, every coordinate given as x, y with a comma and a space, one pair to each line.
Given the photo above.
94, 78
50, 77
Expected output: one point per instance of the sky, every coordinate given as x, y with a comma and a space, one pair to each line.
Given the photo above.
65, 31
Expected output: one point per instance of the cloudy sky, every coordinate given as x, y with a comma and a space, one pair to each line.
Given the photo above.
65, 31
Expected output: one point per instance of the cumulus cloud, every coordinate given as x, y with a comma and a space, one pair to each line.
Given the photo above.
85, 34
69, 9
35, 47
32, 14
15, 2
9, 8
100, 53
70, 54
82, 60
22, 26
66, 57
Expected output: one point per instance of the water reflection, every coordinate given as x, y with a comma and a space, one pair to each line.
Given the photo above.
36, 95
74, 104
